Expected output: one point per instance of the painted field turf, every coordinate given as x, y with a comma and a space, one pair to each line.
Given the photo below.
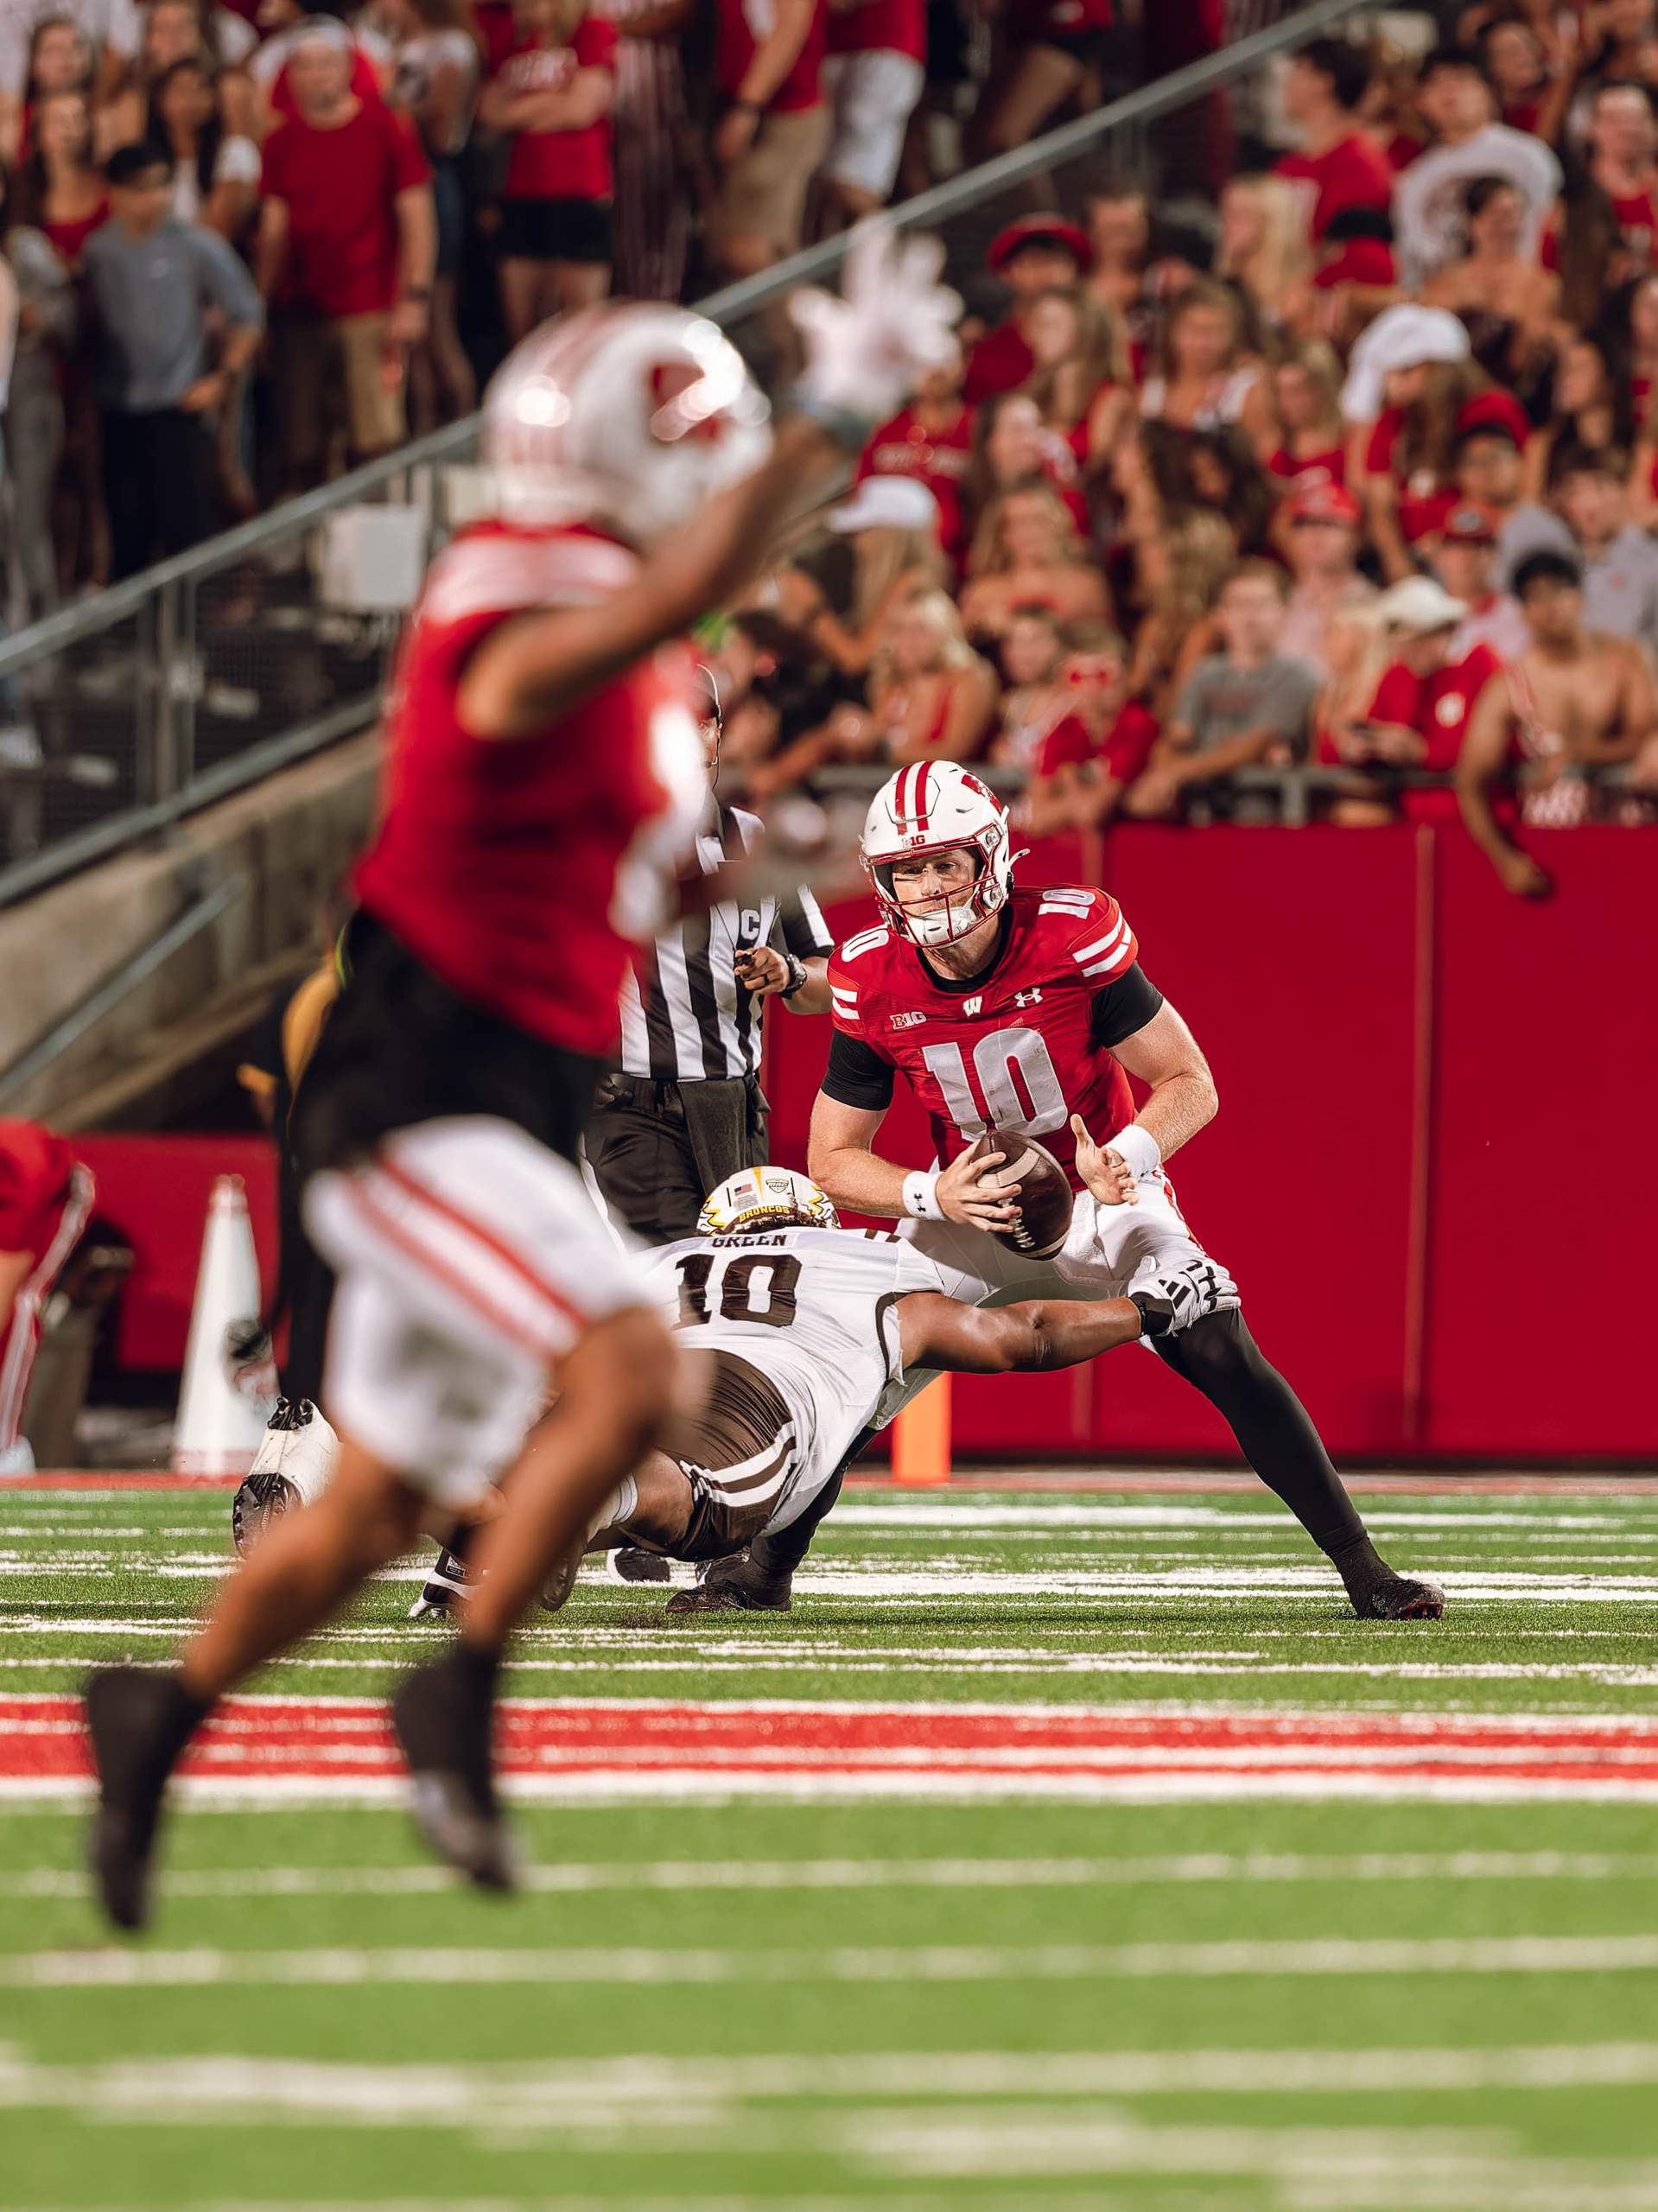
1056, 1847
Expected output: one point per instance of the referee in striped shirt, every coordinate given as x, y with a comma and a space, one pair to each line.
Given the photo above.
685, 1108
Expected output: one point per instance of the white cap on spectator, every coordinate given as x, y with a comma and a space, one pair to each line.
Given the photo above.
1399, 339
1420, 605
886, 503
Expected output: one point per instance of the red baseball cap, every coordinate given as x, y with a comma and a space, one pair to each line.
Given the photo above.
1323, 502
1468, 524
1361, 261
1039, 230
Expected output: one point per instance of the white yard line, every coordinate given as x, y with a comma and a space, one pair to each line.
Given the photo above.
434, 1966
467, 2096
790, 1874
672, 1786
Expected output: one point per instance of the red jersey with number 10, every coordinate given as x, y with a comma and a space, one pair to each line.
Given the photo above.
524, 870
1011, 1050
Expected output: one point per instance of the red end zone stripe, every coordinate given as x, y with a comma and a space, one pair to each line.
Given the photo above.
40, 1739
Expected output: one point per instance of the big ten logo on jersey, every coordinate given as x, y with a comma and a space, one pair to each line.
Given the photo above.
1011, 1083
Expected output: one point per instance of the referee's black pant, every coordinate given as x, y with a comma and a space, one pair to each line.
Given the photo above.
657, 1149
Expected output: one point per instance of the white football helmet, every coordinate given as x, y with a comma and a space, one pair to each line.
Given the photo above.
765, 1197
633, 414
931, 807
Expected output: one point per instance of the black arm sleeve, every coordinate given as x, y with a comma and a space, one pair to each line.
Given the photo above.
1121, 1008
857, 1075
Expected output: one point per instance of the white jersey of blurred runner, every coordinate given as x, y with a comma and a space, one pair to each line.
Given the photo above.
812, 1309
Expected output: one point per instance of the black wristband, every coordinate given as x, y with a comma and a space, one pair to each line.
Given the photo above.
1156, 1314
797, 976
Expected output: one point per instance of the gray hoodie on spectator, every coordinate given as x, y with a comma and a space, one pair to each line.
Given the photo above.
150, 297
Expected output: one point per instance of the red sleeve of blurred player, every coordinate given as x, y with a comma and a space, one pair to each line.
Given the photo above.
36, 1167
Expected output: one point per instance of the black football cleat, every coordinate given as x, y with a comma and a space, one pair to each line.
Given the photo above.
138, 1721
444, 1589
443, 1726
734, 1586
631, 1564
1398, 1597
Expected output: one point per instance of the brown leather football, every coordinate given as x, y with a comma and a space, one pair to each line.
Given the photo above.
1045, 1195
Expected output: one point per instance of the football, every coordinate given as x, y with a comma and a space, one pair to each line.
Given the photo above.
1045, 1195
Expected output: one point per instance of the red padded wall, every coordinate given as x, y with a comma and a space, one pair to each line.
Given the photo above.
1433, 1172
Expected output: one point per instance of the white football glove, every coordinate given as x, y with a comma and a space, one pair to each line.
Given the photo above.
867, 351
1172, 1302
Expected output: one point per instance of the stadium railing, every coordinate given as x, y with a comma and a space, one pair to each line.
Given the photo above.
205, 674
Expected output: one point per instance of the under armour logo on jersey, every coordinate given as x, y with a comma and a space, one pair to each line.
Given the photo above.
907, 1020
973, 1006
1027, 998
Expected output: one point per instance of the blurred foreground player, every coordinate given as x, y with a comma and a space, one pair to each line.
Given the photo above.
544, 774
1026, 1011
46, 1197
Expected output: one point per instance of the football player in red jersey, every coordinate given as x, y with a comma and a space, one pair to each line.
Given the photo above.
45, 1199
1028, 1011
545, 774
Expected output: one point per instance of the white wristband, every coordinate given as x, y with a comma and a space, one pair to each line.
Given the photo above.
1137, 1148
921, 1194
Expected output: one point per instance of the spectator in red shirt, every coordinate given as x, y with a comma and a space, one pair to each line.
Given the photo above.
346, 250
45, 1199
768, 64
873, 74
1085, 765
1419, 715
1031, 256
286, 22
930, 440
1027, 553
1334, 164
1306, 388
553, 93
1012, 447
1082, 382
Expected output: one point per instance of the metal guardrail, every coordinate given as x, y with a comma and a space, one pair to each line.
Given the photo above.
209, 670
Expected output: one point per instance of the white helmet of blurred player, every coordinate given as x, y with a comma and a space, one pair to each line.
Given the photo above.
765, 1197
632, 414
936, 806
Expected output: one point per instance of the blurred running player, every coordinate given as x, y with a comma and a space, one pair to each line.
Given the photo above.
46, 1196
545, 773
1028, 1011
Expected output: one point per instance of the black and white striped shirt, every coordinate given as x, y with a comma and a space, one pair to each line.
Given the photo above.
685, 1017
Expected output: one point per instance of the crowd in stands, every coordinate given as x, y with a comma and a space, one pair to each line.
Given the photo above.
1354, 470
244, 243
1349, 464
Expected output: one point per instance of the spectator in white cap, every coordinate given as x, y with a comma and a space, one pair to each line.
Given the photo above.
1430, 205
833, 598
1419, 713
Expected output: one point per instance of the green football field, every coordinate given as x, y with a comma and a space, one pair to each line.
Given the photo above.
1060, 1844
